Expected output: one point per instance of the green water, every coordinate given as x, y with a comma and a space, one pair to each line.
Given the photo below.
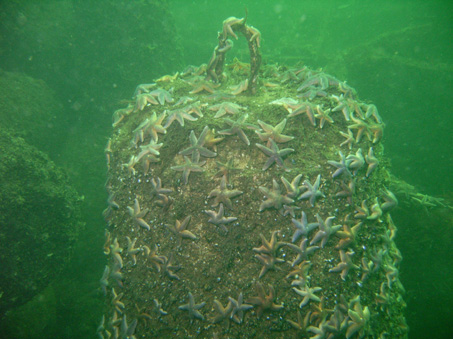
396, 54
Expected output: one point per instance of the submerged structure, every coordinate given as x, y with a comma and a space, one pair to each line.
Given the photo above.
249, 201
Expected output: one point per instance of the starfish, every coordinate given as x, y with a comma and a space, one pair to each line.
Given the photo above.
274, 198
239, 67
356, 108
242, 87
307, 108
218, 218
362, 128
323, 116
347, 90
184, 100
226, 168
196, 145
226, 107
151, 126
143, 88
300, 273
162, 96
290, 75
236, 127
269, 247
168, 78
314, 79
116, 250
348, 236
376, 211
292, 188
179, 115
321, 80
189, 166
320, 311
223, 313
169, 268
155, 259
322, 330
313, 92
302, 227
116, 301
119, 114
302, 251
159, 192
325, 230
117, 275
193, 70
179, 230
158, 308
194, 108
367, 269
313, 191
147, 160
127, 331
356, 161
193, 308
132, 250
360, 320
151, 149
390, 201
362, 211
138, 214
342, 106
107, 242
391, 273
348, 191
220, 96
372, 111
203, 86
130, 165
256, 35
377, 257
222, 194
142, 100
342, 166
378, 131
237, 313
288, 103
372, 162
228, 28
268, 263
100, 331
300, 324
349, 139
211, 141
275, 133
345, 265
114, 321
264, 302
275, 154
308, 293
104, 281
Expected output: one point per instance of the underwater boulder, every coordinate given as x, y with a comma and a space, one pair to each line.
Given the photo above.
39, 221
